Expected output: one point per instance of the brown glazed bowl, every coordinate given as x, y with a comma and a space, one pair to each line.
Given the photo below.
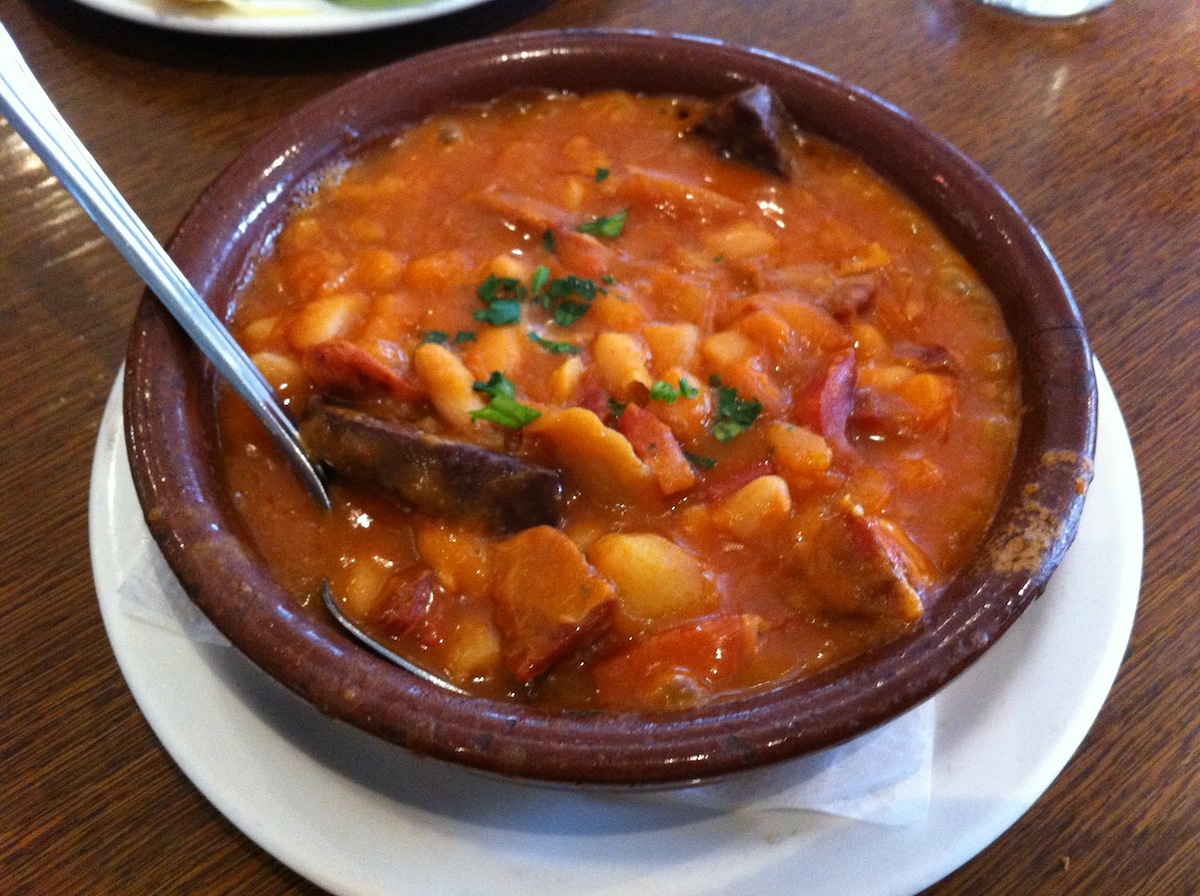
169, 396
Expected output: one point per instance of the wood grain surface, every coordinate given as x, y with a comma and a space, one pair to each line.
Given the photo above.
1093, 127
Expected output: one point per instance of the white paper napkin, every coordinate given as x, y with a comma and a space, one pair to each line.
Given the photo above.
150, 592
882, 777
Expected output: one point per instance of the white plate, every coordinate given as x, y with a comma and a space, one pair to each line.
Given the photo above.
359, 816
273, 18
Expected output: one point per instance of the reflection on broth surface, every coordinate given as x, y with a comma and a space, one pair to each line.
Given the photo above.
632, 402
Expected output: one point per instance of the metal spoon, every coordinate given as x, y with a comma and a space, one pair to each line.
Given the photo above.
33, 116
331, 604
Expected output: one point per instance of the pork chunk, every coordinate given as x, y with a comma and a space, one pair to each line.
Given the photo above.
752, 127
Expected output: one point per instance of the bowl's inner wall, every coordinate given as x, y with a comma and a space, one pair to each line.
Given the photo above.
175, 457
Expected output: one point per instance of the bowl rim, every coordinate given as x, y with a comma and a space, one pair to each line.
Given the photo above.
168, 392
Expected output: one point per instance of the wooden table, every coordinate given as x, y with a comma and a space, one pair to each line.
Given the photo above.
1093, 127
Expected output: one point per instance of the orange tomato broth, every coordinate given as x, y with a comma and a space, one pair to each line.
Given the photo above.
886, 379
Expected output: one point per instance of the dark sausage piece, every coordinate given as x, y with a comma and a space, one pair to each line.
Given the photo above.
438, 476
751, 127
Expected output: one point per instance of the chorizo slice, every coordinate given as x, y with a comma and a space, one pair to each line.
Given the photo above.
681, 666
656, 445
343, 369
865, 566
550, 602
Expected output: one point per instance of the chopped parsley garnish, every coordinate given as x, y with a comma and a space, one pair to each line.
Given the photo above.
734, 414
553, 346
568, 312
541, 276
507, 412
500, 312
617, 407
661, 390
700, 460
503, 408
496, 384
495, 288
549, 242
609, 226
503, 297
571, 285
441, 337
566, 298
559, 297
601, 174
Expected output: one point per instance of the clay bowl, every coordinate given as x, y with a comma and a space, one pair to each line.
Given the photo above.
169, 417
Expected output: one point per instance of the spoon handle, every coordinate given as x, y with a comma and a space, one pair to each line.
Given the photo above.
33, 116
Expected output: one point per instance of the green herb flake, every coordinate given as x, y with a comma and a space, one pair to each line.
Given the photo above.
566, 298
559, 298
496, 384
493, 288
661, 390
568, 312
553, 346
507, 412
440, 337
549, 242
464, 336
500, 312
734, 414
610, 226
571, 285
503, 408
602, 174
617, 407
541, 276
700, 460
